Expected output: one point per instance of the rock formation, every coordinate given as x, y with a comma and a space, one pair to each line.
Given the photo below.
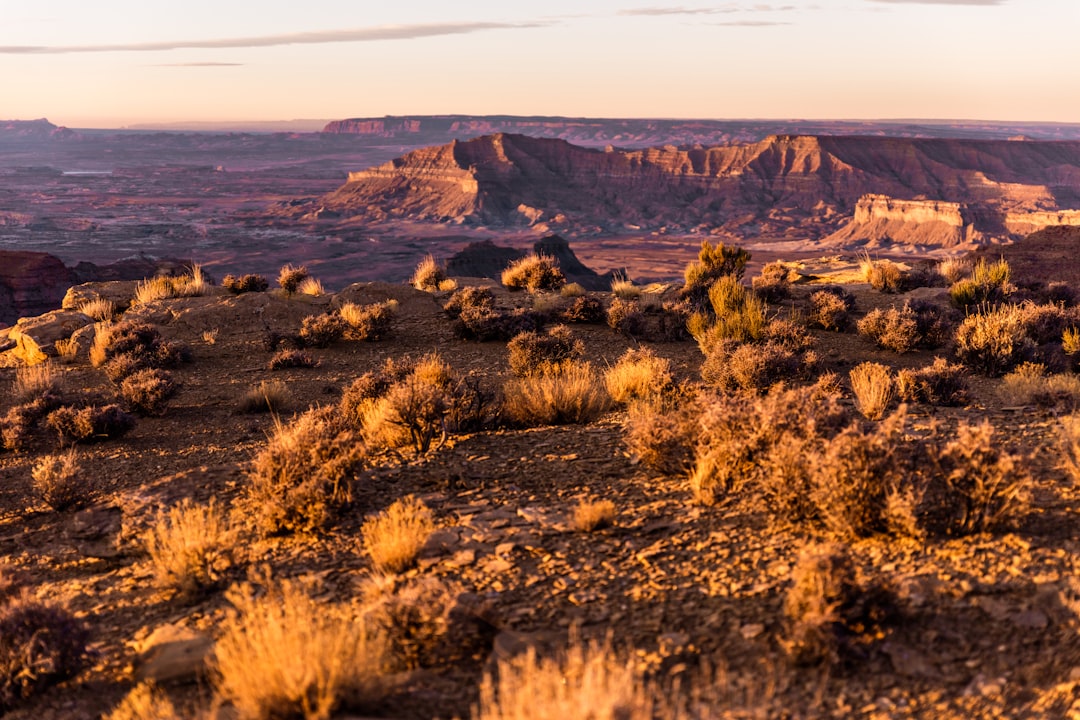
488, 260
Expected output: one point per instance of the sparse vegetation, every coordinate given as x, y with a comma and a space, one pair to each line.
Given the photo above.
59, 482
290, 277
988, 283
368, 322
713, 263
146, 701
884, 275
266, 396
190, 547
575, 394
311, 286
993, 341
831, 308
394, 538
939, 383
774, 282
429, 275
592, 515
90, 424
284, 359
638, 375
532, 353
163, 287
245, 284
147, 392
873, 386
100, 309
535, 273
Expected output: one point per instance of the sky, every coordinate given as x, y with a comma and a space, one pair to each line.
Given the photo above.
115, 63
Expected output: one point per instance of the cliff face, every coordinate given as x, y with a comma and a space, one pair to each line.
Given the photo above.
880, 219
793, 186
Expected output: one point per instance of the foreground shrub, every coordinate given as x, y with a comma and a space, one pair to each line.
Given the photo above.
872, 384
573, 395
59, 482
936, 384
989, 283
90, 424
429, 275
713, 262
290, 277
993, 341
322, 331
534, 273
532, 353
40, 645
284, 359
130, 346
424, 621
147, 392
190, 547
146, 701
638, 375
394, 538
283, 654
831, 308
302, 477
368, 322
245, 284
663, 435
884, 275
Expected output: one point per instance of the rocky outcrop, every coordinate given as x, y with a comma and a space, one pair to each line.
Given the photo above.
1025, 223
882, 220
488, 260
35, 338
784, 186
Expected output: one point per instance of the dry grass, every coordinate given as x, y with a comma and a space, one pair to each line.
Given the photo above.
146, 701
163, 287
534, 353
59, 482
574, 394
534, 273
394, 538
67, 349
572, 290
638, 375
954, 269
267, 396
624, 288
284, 654
1070, 447
1029, 385
101, 310
34, 381
290, 277
429, 275
993, 341
587, 681
210, 336
311, 286
189, 547
874, 389
592, 515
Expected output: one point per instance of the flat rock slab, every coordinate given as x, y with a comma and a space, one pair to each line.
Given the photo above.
35, 338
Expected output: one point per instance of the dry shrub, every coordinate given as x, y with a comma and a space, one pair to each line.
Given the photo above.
283, 654
40, 645
148, 392
713, 263
592, 515
100, 309
16, 425
412, 413
873, 386
210, 336
939, 383
129, 346
368, 322
573, 395
588, 681
90, 424
731, 366
1070, 341
952, 270
638, 375
832, 617
737, 315
572, 290
312, 287
663, 435
1029, 384
146, 701
58, 480
67, 349
774, 282
988, 283
1070, 447
429, 275
284, 359
190, 547
163, 287
534, 273
532, 353
487, 323
584, 309
469, 296
290, 277
394, 538
267, 396
831, 308
623, 287
891, 329
322, 331
302, 477
993, 341
35, 381
626, 316
884, 275
245, 284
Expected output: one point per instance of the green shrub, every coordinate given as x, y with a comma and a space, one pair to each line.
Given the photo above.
988, 283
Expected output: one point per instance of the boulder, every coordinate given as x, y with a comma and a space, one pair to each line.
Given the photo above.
173, 654
119, 292
35, 338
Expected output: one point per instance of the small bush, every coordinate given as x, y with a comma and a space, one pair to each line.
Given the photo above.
663, 437
469, 297
988, 283
873, 386
952, 270
429, 275
1029, 384
572, 290
713, 263
35, 381
532, 353
885, 276
90, 424
892, 329
165, 286
937, 384
368, 322
190, 548
40, 645
830, 309
148, 392
592, 515
245, 284
423, 621
290, 277
20, 420
67, 349
394, 538
994, 341
626, 317
146, 701
267, 396
574, 395
322, 331
638, 375
624, 288
534, 273
283, 654
738, 316
58, 480
284, 359
774, 283
130, 346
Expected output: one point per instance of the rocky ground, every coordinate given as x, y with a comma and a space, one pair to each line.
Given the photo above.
988, 622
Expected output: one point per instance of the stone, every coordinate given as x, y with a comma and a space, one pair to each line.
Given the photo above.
173, 653
35, 338
119, 292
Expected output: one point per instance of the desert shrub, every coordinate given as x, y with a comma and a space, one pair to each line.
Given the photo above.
662, 435
831, 616
368, 322
936, 384
534, 273
987, 283
469, 297
993, 341
146, 701
245, 284
1046, 323
737, 315
284, 654
624, 288
394, 538
788, 334
424, 621
90, 424
584, 309
322, 331
587, 681
40, 645
130, 346
59, 482
952, 270
872, 384
884, 275
284, 359
923, 274
638, 375
120, 367
572, 290
190, 547
830, 308
626, 316
359, 397
573, 395
592, 515
429, 274
774, 283
19, 421
486, 323
412, 413
1070, 341
731, 366
532, 353
290, 277
35, 381
147, 392
267, 396
891, 329
978, 486
99, 309
1029, 384
1070, 446
303, 476
713, 262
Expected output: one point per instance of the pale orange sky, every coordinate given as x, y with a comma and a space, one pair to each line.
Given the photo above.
118, 62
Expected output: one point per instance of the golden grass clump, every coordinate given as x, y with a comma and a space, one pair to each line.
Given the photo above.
1070, 447
146, 701
638, 375
59, 482
311, 286
394, 538
623, 287
429, 275
572, 395
100, 309
873, 386
267, 396
587, 681
162, 287
592, 515
67, 349
572, 290
210, 336
34, 381
283, 654
189, 547
290, 277
954, 269
535, 273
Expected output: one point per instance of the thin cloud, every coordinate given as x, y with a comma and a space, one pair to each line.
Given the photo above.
749, 23
721, 10
942, 2
318, 37
199, 64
